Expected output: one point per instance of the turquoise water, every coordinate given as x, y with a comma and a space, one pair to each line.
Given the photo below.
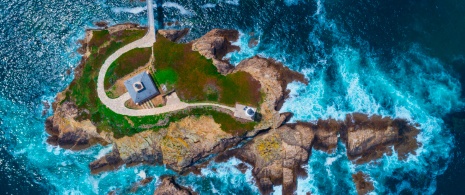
367, 57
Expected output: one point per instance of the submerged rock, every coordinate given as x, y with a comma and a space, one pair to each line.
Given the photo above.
362, 183
169, 187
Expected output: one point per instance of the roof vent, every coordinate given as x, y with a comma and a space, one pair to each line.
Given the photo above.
250, 112
138, 86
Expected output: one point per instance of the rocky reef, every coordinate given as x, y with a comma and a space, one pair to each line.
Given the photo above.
278, 154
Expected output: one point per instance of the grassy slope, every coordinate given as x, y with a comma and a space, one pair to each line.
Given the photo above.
126, 64
83, 89
83, 92
197, 79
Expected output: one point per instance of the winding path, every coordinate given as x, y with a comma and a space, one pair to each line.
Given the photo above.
117, 105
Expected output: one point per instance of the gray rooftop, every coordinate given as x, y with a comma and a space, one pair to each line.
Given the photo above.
141, 88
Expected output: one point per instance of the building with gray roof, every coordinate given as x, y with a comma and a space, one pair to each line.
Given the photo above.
141, 88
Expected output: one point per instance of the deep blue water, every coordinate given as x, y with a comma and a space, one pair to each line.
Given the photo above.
388, 57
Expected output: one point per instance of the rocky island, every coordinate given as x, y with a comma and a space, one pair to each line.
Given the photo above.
197, 111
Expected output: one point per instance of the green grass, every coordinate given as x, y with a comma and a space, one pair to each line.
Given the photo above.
168, 76
228, 123
125, 64
99, 37
197, 79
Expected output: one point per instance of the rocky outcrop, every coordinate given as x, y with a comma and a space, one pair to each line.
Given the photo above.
120, 27
101, 24
278, 154
173, 35
169, 187
179, 146
370, 137
362, 183
65, 131
274, 78
215, 45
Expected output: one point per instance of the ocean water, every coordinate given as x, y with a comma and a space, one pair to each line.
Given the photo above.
387, 57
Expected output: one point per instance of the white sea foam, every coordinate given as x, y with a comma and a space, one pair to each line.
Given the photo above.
232, 2
208, 5
245, 51
213, 189
278, 190
104, 151
142, 174
73, 192
182, 10
132, 10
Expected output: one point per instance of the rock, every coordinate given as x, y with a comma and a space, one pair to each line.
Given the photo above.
362, 183
109, 162
274, 78
68, 133
242, 167
140, 183
169, 187
178, 147
215, 45
101, 24
174, 35
368, 138
277, 156
326, 134
124, 26
46, 105
192, 139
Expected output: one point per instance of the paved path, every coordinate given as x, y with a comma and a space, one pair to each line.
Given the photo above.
117, 105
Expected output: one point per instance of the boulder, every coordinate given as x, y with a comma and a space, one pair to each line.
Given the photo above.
168, 186
370, 137
173, 35
362, 183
